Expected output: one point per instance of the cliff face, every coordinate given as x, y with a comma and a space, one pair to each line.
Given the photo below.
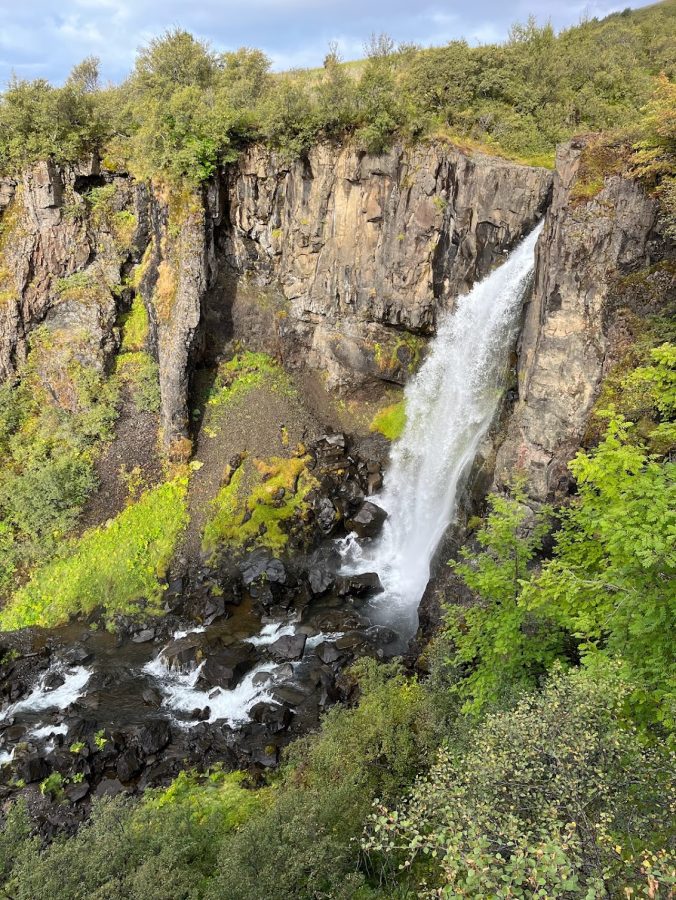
61, 264
566, 344
367, 250
362, 252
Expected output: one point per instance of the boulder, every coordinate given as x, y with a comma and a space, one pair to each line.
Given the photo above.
367, 521
358, 585
290, 646
225, 667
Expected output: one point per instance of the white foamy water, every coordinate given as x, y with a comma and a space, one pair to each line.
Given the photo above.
198, 629
47, 731
450, 404
232, 706
41, 697
269, 634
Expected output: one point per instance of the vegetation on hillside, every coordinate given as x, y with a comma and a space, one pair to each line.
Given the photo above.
117, 567
186, 108
52, 426
533, 760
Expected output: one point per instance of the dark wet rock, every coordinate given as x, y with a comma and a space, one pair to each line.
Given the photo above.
261, 678
290, 646
224, 668
358, 585
129, 764
290, 694
274, 716
327, 652
184, 654
153, 737
368, 520
76, 791
267, 756
152, 697
77, 655
14, 733
333, 442
352, 495
326, 515
32, 768
54, 680
144, 636
260, 564
381, 635
109, 787
320, 579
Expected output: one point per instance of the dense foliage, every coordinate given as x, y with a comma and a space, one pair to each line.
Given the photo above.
52, 424
115, 566
185, 108
553, 798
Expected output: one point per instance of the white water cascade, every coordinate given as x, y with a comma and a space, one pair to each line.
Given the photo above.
450, 405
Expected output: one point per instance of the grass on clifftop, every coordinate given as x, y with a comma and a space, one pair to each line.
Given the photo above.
118, 566
259, 503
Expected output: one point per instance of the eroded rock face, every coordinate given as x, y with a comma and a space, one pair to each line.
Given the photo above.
49, 241
564, 348
368, 248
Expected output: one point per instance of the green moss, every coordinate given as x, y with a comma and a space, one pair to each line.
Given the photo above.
405, 351
390, 421
118, 566
140, 373
83, 287
135, 327
259, 504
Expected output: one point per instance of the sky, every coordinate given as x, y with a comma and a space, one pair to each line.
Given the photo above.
44, 39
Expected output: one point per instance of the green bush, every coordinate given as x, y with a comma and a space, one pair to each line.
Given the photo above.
554, 798
52, 426
185, 109
162, 849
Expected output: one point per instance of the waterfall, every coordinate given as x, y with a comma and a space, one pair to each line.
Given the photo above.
450, 404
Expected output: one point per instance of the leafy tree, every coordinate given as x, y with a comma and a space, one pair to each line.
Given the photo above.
500, 646
611, 581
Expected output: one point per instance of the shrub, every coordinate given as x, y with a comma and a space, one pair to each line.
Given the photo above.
554, 798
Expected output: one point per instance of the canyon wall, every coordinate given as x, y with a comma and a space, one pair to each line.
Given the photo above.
362, 252
367, 250
360, 255
590, 257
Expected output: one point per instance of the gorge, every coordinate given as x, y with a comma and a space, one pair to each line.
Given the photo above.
336, 502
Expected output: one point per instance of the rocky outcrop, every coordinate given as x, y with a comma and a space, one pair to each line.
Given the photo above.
174, 277
60, 266
362, 252
367, 249
585, 247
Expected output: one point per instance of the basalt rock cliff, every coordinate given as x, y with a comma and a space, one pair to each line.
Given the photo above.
340, 261
596, 261
356, 256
